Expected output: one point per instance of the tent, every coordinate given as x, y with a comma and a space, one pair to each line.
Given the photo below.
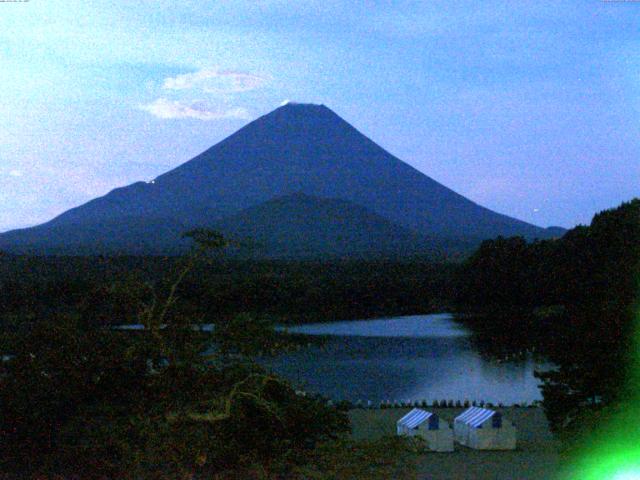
484, 429
438, 435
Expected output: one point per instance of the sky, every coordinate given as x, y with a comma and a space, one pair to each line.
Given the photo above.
530, 108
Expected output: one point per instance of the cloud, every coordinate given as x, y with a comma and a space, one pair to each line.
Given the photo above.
223, 83
215, 81
168, 109
15, 173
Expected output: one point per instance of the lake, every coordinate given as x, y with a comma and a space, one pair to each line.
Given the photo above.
406, 358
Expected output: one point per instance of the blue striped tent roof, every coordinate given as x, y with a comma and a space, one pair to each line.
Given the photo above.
415, 417
475, 416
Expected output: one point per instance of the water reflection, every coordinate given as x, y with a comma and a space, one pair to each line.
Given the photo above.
408, 358
415, 326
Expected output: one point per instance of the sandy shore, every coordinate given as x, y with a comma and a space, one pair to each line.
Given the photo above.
536, 455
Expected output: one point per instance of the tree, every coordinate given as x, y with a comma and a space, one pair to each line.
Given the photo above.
595, 352
579, 295
81, 398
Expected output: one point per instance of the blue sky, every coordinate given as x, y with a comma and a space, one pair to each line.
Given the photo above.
529, 108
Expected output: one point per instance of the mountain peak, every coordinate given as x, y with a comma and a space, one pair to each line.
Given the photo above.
299, 105
303, 110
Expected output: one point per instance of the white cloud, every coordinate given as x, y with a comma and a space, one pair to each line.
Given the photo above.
215, 81
15, 173
167, 109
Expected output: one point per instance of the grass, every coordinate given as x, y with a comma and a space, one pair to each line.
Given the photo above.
536, 455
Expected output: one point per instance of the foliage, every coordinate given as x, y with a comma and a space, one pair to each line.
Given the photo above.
289, 291
247, 335
85, 399
598, 334
580, 292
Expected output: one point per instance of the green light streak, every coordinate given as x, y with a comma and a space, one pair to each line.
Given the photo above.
613, 452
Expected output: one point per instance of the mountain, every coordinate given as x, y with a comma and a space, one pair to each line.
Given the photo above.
302, 226
290, 226
296, 149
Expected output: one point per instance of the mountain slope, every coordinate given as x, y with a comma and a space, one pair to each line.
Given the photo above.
124, 235
295, 148
302, 226
291, 226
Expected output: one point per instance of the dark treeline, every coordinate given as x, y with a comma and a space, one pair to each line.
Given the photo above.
573, 298
166, 402
287, 291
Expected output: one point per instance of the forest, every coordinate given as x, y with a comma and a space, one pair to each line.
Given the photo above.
575, 299
287, 291
83, 400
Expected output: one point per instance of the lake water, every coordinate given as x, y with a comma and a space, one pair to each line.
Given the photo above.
405, 358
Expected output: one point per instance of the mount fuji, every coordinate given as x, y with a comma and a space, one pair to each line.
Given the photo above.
300, 181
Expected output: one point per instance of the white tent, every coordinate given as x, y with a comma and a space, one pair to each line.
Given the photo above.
438, 435
484, 429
